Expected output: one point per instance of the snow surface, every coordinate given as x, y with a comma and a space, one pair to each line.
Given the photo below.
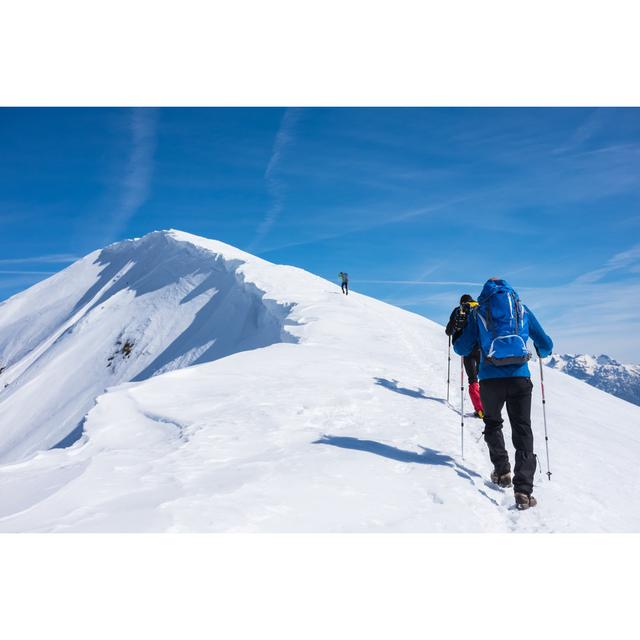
257, 397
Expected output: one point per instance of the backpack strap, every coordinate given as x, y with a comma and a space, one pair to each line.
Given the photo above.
477, 314
490, 324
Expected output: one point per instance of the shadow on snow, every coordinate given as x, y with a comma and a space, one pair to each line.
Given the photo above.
426, 456
393, 385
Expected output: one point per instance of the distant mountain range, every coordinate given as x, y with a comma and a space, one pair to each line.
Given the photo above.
603, 372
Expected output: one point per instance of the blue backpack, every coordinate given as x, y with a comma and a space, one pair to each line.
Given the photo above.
503, 325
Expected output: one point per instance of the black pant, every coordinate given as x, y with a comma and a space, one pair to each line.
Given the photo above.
471, 364
516, 392
345, 287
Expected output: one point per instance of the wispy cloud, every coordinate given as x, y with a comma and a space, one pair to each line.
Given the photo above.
435, 304
276, 188
437, 283
54, 258
376, 219
423, 211
589, 317
587, 129
628, 260
138, 171
584, 132
24, 273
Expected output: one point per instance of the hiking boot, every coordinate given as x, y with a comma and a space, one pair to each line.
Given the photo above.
478, 414
503, 480
523, 501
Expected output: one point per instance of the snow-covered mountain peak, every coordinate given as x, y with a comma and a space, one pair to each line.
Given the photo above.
584, 360
133, 310
165, 238
603, 372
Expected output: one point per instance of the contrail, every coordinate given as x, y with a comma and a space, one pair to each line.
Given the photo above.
425, 282
275, 187
137, 180
54, 258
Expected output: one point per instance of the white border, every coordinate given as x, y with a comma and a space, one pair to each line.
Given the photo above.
318, 586
334, 52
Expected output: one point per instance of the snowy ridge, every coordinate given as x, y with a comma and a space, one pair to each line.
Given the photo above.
270, 402
134, 310
602, 372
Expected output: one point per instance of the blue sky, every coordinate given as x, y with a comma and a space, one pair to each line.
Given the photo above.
418, 205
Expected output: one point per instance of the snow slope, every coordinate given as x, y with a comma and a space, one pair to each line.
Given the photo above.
129, 312
319, 412
603, 372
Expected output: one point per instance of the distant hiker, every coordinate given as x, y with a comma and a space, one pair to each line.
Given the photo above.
455, 326
501, 325
344, 277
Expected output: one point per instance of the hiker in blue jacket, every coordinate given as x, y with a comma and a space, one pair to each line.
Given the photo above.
501, 325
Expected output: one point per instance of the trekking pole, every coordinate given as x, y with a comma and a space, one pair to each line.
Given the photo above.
544, 417
462, 405
448, 369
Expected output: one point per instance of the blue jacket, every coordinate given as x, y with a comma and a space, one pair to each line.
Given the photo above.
465, 344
